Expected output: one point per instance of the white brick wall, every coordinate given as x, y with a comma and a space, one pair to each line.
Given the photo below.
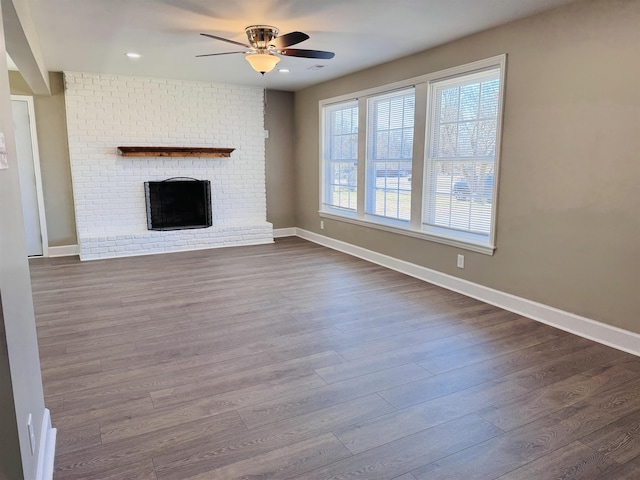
106, 111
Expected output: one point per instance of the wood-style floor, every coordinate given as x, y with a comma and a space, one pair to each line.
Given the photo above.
294, 361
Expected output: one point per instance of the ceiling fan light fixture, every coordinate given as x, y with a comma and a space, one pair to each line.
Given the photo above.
264, 44
262, 62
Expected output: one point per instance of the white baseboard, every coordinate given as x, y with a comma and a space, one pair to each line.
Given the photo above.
64, 251
585, 327
284, 232
47, 448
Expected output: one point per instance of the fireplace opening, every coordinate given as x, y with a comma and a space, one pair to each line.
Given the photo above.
178, 204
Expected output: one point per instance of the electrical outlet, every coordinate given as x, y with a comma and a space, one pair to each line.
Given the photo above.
32, 434
321, 224
460, 261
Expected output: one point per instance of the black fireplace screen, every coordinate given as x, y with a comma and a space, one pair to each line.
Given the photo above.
178, 203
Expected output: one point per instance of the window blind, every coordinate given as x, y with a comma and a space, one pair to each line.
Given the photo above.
390, 125
461, 155
341, 155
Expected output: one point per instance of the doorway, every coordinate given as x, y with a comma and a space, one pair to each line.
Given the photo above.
29, 173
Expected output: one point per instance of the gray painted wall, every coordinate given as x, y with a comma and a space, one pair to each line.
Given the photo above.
51, 124
280, 168
21, 353
10, 465
568, 229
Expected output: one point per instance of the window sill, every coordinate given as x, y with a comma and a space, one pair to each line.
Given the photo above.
459, 241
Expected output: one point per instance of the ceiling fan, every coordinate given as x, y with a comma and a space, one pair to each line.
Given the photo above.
265, 45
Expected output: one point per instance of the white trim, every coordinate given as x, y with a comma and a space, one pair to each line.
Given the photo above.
64, 251
47, 450
585, 327
36, 169
324, 120
389, 227
284, 232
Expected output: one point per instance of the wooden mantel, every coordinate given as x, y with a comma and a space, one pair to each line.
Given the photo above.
175, 152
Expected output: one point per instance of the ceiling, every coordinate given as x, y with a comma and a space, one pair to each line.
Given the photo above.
94, 35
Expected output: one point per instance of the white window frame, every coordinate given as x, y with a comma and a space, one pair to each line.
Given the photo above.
414, 228
325, 162
370, 187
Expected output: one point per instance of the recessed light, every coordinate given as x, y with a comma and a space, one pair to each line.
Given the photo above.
133, 55
284, 70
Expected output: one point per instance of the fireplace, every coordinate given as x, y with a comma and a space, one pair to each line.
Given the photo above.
178, 204
112, 215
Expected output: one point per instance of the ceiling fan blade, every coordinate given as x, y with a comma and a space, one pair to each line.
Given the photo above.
225, 40
214, 54
288, 39
297, 52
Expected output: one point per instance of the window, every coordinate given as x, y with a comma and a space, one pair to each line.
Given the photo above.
462, 151
390, 154
428, 158
341, 156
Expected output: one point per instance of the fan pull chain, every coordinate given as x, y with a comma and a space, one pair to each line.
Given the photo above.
264, 96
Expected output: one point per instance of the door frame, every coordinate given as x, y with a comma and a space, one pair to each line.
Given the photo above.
36, 169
